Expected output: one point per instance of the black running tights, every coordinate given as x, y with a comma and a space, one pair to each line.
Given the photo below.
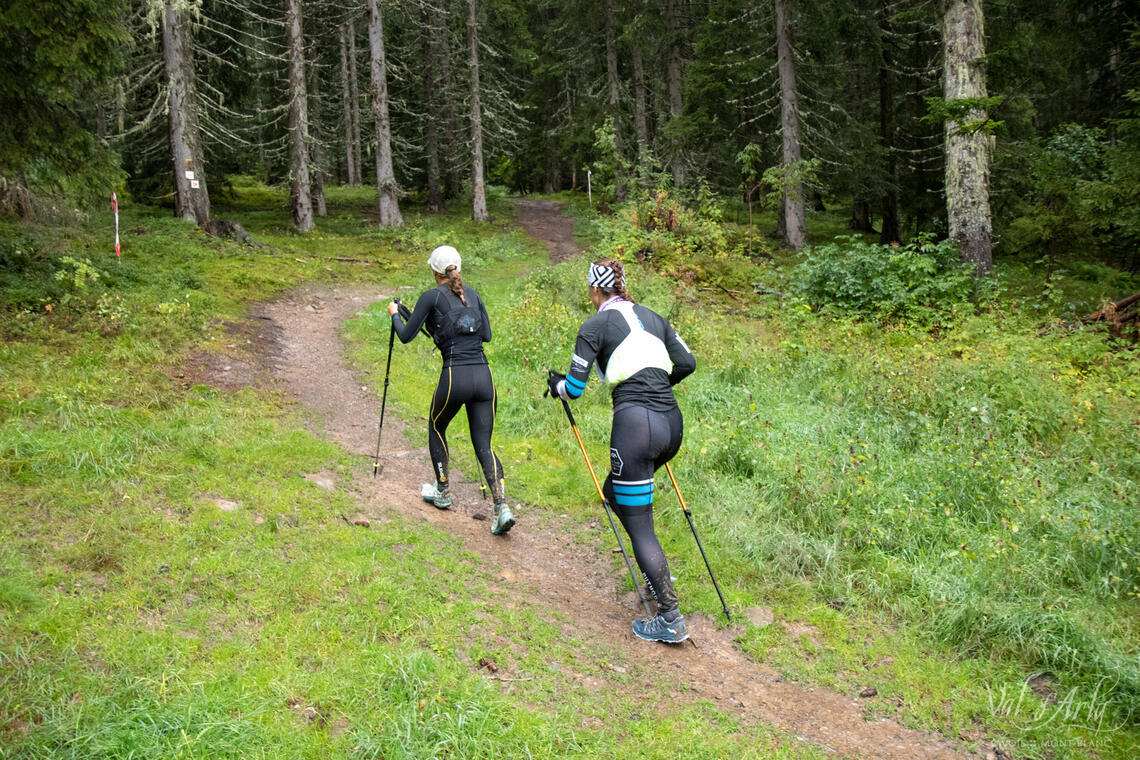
469, 385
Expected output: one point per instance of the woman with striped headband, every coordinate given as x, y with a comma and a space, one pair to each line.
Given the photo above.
642, 357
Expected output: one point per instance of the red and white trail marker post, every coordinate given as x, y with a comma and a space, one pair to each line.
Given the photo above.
115, 208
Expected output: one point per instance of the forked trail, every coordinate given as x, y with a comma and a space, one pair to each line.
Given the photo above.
537, 557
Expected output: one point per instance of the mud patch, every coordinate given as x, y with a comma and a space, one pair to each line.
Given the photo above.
543, 220
248, 352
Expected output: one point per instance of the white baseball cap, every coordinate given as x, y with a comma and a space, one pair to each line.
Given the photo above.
443, 257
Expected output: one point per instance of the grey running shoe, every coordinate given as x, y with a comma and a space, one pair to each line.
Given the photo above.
430, 492
503, 520
659, 629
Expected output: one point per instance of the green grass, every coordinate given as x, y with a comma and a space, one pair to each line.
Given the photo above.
936, 515
966, 499
138, 618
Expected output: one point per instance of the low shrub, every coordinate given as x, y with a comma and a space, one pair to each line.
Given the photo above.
915, 283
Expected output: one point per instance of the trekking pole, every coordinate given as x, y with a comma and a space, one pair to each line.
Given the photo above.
689, 517
605, 504
387, 370
405, 312
384, 399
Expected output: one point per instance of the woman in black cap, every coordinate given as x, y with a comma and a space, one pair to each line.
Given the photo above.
642, 357
457, 320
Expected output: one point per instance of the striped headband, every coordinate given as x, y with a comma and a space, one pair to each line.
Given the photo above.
600, 277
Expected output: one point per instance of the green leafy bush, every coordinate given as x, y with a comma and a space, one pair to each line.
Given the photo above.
916, 283
1080, 196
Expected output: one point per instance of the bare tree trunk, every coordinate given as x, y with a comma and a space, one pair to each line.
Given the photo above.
316, 137
191, 200
861, 216
641, 121
385, 177
452, 131
431, 119
795, 233
890, 202
346, 100
354, 84
300, 202
673, 74
120, 106
551, 181
478, 191
967, 152
620, 190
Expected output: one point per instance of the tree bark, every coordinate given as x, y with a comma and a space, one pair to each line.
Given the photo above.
861, 216
641, 121
317, 143
354, 84
794, 232
673, 74
300, 201
620, 189
191, 199
967, 152
889, 234
346, 100
451, 128
478, 190
386, 187
431, 118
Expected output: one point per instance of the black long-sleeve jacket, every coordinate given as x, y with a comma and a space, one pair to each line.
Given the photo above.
637, 352
459, 331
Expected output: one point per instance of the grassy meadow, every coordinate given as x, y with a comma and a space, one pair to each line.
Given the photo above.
948, 514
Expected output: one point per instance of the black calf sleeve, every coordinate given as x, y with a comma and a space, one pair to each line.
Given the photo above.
638, 523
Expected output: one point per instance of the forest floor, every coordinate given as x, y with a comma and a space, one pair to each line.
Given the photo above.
299, 349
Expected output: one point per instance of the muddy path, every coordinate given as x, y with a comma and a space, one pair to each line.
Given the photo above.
303, 353
543, 221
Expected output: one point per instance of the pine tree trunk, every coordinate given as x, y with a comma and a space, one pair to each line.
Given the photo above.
861, 216
317, 142
620, 189
889, 233
431, 118
551, 181
191, 200
478, 191
300, 202
967, 154
794, 232
385, 176
673, 74
452, 131
641, 121
354, 84
346, 102
120, 107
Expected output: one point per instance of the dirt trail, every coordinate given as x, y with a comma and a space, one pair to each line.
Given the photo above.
544, 222
536, 558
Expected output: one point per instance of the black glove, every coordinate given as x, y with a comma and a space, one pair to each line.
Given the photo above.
552, 381
405, 312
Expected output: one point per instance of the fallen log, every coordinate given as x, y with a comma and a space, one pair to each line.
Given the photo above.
1113, 312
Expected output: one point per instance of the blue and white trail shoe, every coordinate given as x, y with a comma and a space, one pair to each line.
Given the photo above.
430, 493
503, 520
659, 629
